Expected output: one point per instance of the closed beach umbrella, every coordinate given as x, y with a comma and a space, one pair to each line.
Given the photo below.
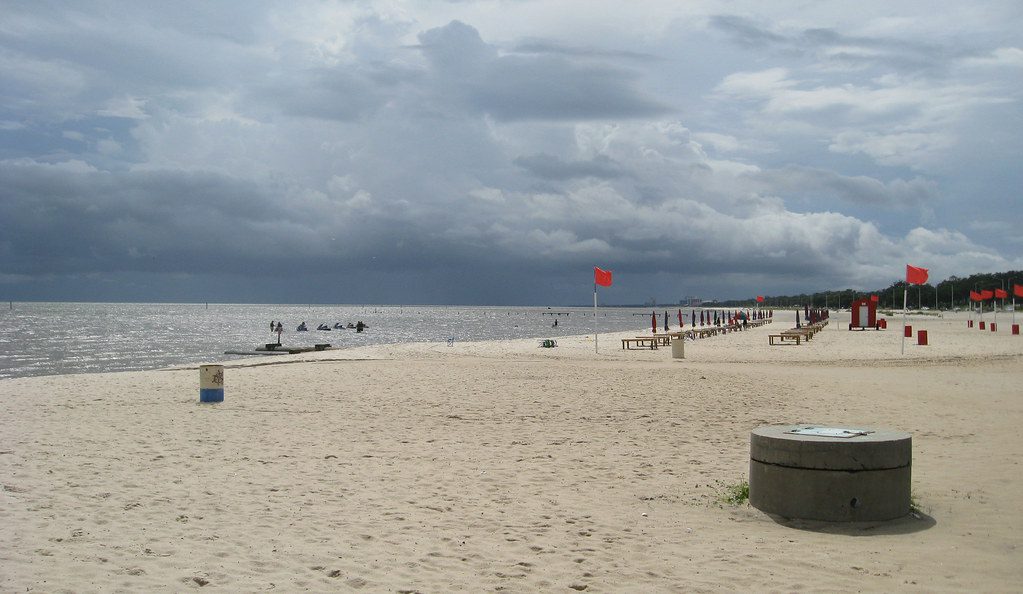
680, 324
665, 321
693, 318
797, 319
653, 320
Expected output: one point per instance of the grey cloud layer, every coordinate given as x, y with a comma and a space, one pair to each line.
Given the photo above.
263, 153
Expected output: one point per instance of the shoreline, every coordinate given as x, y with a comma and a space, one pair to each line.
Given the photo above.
502, 465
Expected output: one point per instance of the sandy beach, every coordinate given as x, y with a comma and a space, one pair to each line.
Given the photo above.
502, 466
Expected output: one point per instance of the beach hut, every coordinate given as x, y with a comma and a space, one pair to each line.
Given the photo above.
864, 314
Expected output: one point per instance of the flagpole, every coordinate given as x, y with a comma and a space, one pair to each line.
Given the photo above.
904, 294
595, 348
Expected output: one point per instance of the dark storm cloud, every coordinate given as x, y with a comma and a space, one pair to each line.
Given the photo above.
827, 186
831, 46
746, 32
551, 167
332, 94
545, 46
308, 152
524, 87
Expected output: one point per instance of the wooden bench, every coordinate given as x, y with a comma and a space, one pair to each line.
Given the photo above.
705, 332
647, 341
784, 339
662, 339
683, 335
805, 332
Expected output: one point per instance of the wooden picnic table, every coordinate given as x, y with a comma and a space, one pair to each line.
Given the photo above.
641, 341
784, 338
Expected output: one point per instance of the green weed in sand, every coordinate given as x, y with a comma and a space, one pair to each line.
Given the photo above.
736, 493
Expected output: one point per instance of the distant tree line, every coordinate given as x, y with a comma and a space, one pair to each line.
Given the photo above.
953, 292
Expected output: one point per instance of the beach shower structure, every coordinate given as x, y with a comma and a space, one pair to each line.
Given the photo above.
834, 474
864, 314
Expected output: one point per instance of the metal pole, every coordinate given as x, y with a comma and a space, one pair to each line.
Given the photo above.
595, 349
904, 294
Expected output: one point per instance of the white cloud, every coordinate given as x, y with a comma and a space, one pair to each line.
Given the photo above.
907, 148
125, 107
1011, 57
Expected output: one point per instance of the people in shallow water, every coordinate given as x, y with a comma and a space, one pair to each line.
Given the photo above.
338, 326
301, 327
323, 327
360, 326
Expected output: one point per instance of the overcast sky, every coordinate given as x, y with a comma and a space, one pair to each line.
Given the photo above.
494, 152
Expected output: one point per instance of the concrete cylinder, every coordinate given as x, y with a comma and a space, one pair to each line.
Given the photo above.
832, 476
921, 337
211, 383
678, 348
909, 332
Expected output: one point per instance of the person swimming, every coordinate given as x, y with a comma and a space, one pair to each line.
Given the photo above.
302, 328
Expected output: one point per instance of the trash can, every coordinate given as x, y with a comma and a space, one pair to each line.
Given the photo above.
678, 348
921, 337
994, 326
909, 332
211, 383
1015, 328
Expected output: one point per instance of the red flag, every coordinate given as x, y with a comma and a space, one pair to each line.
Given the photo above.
1017, 290
916, 276
1000, 294
974, 296
985, 295
874, 298
602, 277
760, 298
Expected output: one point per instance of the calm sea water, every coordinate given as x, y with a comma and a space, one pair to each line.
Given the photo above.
60, 338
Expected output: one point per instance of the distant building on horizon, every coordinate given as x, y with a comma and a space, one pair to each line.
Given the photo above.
690, 301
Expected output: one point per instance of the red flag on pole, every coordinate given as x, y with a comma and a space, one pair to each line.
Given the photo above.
1000, 294
760, 298
974, 296
874, 298
1017, 290
916, 276
602, 277
985, 295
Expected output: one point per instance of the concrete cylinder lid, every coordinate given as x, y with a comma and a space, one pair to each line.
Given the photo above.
873, 449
